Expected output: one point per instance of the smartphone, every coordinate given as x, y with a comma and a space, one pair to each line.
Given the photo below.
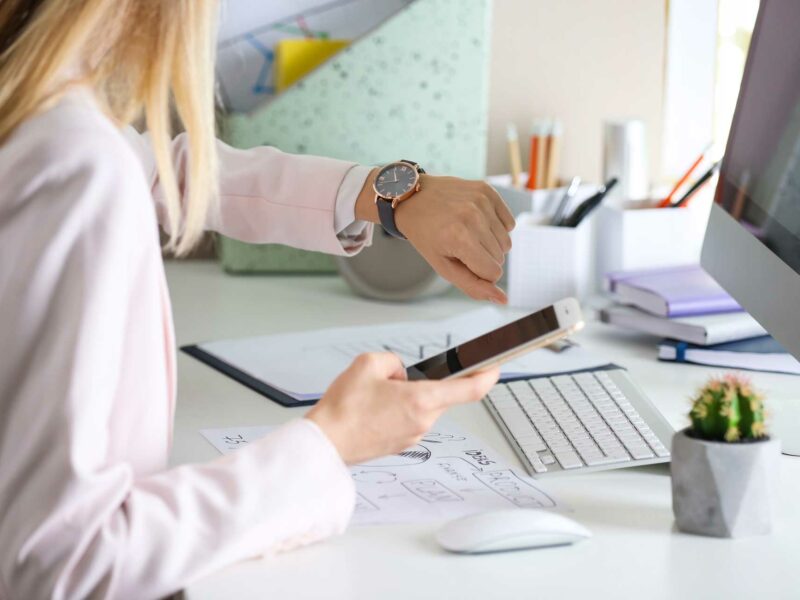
505, 343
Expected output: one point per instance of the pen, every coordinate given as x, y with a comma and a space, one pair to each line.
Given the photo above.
684, 201
513, 154
569, 194
668, 200
587, 206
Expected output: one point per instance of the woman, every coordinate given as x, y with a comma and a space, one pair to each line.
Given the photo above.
87, 380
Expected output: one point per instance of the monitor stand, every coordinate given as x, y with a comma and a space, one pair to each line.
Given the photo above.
786, 424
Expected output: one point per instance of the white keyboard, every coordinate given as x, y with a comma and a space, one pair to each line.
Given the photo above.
581, 422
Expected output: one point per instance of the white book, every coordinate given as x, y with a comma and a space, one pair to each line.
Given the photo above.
757, 354
703, 330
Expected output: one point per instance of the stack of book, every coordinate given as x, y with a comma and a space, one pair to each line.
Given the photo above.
699, 321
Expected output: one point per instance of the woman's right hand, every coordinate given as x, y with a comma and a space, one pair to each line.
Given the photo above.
371, 410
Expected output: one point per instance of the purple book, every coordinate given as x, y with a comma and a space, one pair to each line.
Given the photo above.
672, 292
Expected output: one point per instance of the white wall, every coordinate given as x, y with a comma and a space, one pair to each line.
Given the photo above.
581, 61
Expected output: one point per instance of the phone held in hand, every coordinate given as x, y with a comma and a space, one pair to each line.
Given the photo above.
534, 331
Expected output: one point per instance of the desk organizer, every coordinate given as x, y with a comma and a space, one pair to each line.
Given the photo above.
545, 201
548, 263
634, 237
415, 87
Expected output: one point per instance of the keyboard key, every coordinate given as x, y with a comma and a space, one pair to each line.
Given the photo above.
538, 466
605, 460
640, 452
568, 459
548, 459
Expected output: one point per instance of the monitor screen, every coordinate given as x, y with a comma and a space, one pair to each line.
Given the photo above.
760, 175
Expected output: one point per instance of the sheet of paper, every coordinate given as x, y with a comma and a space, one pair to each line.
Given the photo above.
304, 364
449, 474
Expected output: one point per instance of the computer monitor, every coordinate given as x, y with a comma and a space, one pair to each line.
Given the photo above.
752, 243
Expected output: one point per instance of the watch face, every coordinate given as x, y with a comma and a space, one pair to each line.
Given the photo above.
395, 180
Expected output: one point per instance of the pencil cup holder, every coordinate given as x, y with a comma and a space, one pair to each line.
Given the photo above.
631, 238
544, 201
548, 263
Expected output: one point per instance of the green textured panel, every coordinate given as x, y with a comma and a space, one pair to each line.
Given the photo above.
416, 87
238, 257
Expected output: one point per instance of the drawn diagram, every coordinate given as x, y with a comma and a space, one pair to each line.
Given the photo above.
431, 490
416, 455
519, 492
363, 505
251, 28
440, 438
374, 476
410, 349
452, 474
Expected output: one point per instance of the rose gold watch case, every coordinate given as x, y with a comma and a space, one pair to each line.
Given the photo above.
414, 188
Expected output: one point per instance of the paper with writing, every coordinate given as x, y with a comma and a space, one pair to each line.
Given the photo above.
304, 364
448, 474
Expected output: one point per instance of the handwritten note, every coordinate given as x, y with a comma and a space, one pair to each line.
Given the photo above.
449, 474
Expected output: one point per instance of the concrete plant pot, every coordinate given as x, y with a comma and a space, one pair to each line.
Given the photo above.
723, 489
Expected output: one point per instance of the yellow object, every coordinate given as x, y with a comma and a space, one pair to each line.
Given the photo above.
296, 58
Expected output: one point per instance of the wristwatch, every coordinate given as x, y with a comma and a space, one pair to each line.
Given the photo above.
395, 183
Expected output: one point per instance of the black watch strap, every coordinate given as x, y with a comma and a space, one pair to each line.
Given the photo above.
386, 215
386, 212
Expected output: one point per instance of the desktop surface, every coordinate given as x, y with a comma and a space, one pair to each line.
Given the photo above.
635, 551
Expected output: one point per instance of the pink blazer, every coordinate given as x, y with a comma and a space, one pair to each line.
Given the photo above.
87, 376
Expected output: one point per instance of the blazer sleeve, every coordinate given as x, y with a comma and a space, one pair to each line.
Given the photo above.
269, 196
76, 520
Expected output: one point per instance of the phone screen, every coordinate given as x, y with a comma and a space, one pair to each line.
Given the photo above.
489, 345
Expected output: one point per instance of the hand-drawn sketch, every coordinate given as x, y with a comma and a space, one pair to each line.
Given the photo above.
431, 490
374, 476
451, 475
440, 438
519, 492
364, 505
415, 455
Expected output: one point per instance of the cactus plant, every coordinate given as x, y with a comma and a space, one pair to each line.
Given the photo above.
728, 409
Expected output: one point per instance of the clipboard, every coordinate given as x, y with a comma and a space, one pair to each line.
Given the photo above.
246, 380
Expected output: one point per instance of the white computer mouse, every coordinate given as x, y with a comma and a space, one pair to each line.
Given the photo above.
513, 529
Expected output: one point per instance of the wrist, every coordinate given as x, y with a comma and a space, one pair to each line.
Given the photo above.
365, 203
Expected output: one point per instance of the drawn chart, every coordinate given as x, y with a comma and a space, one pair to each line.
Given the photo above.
410, 349
251, 28
448, 475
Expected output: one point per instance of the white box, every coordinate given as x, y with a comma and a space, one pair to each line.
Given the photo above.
548, 263
646, 238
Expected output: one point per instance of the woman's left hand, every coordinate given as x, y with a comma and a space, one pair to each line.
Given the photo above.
460, 227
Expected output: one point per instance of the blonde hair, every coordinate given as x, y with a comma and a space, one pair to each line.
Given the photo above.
141, 57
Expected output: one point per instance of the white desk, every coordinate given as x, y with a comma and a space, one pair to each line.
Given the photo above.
635, 553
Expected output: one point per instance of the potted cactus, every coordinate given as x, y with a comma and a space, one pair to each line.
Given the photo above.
724, 465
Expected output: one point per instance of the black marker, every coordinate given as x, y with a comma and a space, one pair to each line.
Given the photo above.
587, 206
696, 186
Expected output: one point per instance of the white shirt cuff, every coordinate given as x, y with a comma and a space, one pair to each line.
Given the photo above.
344, 218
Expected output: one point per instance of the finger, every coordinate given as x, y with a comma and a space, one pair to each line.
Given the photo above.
474, 255
469, 283
498, 230
461, 390
501, 235
383, 365
490, 243
500, 207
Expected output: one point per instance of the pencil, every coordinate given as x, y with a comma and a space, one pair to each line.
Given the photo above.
513, 154
553, 154
535, 157
668, 200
